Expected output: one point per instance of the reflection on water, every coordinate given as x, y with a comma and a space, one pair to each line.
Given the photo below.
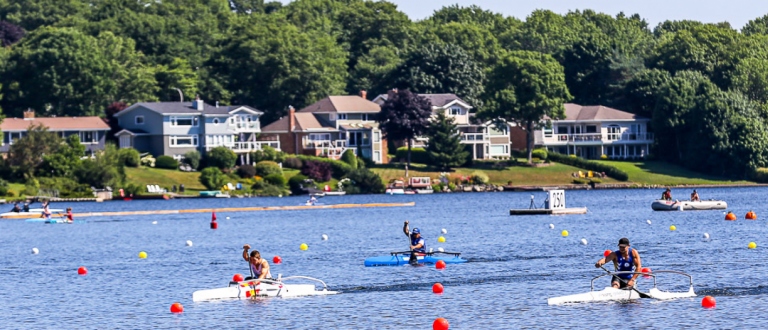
515, 263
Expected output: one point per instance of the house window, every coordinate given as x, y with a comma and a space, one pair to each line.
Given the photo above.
215, 121
359, 138
493, 130
562, 129
183, 141
377, 156
367, 117
455, 111
548, 131
614, 132
232, 121
320, 137
499, 150
183, 121
367, 153
89, 137
341, 116
376, 136
15, 136
139, 120
591, 129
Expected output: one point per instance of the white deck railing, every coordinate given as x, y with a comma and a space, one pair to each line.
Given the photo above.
245, 146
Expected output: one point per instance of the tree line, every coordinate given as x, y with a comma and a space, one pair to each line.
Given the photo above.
703, 85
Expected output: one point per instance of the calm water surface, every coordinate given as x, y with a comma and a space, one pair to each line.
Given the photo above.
515, 263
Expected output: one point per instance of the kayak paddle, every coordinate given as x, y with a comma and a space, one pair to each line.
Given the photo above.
642, 295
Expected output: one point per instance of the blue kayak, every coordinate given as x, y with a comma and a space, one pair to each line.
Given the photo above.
402, 258
52, 220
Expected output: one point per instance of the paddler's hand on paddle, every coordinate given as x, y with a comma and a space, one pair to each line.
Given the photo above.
246, 247
600, 263
631, 282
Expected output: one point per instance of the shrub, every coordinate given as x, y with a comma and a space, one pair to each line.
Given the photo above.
365, 182
166, 162
574, 161
270, 190
759, 174
267, 167
452, 186
479, 177
268, 153
418, 155
275, 179
295, 184
339, 168
317, 171
129, 157
148, 160
192, 158
350, 158
212, 178
292, 162
32, 187
540, 154
66, 187
221, 157
4, 189
246, 171
258, 184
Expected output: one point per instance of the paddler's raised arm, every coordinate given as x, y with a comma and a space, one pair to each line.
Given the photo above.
246, 247
405, 229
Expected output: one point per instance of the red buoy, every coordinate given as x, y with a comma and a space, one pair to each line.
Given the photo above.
606, 253
440, 264
277, 259
213, 216
440, 324
708, 302
437, 288
214, 224
82, 270
238, 278
177, 308
645, 271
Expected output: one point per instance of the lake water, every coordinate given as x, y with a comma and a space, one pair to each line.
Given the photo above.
515, 263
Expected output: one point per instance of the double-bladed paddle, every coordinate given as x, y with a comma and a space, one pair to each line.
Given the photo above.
642, 295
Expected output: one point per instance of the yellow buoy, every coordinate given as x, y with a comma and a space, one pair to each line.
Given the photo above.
441, 239
752, 245
672, 228
564, 233
303, 246
142, 255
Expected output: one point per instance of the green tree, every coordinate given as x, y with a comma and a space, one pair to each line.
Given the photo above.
104, 170
404, 116
32, 14
525, 87
178, 74
26, 153
445, 149
65, 159
349, 158
641, 92
192, 158
212, 178
221, 157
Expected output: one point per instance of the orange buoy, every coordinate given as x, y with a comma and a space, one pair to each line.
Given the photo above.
437, 288
440, 324
751, 215
177, 308
440, 264
82, 270
708, 302
277, 259
238, 278
606, 253
730, 216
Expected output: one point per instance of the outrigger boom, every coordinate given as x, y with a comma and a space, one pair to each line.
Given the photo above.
613, 294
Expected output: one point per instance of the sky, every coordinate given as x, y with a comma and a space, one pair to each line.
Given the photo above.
736, 12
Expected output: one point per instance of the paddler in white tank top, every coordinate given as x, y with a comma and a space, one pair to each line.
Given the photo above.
259, 266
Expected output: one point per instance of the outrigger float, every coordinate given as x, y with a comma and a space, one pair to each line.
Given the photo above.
665, 205
626, 294
250, 289
403, 258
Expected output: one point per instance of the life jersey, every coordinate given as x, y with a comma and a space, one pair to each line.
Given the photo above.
417, 241
257, 270
625, 265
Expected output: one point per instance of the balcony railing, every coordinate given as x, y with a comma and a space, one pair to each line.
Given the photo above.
324, 144
245, 126
597, 137
245, 146
474, 137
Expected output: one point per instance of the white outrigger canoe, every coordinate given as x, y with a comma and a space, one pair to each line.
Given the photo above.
627, 294
263, 288
665, 205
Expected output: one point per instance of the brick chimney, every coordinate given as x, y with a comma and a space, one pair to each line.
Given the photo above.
29, 114
363, 94
291, 118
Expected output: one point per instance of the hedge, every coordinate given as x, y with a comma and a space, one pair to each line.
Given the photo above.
418, 155
166, 162
590, 165
759, 174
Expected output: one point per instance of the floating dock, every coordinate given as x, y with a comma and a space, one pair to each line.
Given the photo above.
573, 210
222, 209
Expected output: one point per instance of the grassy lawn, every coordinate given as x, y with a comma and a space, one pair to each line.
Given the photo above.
661, 173
142, 176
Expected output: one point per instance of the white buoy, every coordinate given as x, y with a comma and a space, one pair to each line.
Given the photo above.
440, 249
648, 221
227, 218
154, 222
35, 251
325, 237
189, 243
705, 236
444, 231
281, 195
583, 241
551, 226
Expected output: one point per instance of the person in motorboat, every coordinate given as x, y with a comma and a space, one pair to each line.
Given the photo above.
16, 207
625, 259
418, 244
26, 207
667, 195
259, 266
695, 196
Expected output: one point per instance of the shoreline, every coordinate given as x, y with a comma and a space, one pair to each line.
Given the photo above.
627, 186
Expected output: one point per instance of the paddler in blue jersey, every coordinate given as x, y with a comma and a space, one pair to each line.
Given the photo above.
418, 244
626, 259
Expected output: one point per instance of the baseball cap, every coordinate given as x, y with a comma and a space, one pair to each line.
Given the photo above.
624, 241
416, 231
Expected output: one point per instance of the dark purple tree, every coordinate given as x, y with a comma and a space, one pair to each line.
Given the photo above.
404, 116
10, 33
110, 112
318, 171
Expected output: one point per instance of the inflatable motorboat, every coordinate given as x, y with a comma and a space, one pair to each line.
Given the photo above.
665, 205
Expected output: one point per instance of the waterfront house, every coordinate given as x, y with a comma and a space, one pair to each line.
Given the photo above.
331, 126
592, 131
175, 128
91, 130
483, 140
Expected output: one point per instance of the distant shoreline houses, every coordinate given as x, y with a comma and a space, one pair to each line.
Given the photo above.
335, 124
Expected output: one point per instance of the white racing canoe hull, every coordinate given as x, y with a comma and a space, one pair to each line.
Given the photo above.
613, 294
663, 205
250, 289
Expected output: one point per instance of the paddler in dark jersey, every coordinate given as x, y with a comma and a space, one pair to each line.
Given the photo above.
625, 259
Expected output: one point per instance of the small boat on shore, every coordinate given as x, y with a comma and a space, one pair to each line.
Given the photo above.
402, 258
613, 294
264, 288
665, 205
